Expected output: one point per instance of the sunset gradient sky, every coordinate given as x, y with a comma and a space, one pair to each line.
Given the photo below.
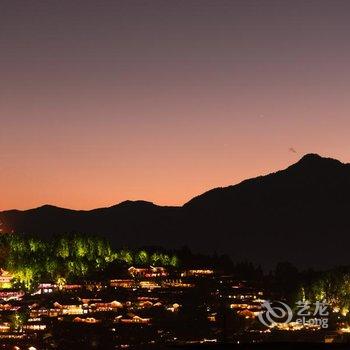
103, 101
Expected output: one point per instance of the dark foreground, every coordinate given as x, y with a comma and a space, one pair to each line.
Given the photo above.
277, 346
263, 346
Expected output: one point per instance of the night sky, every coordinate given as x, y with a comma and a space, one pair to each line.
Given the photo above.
103, 101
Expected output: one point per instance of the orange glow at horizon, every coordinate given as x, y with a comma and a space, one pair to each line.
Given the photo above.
102, 102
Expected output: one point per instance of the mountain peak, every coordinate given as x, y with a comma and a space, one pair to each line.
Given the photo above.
311, 157
254, 220
313, 160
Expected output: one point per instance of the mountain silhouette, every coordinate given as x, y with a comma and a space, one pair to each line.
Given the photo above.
300, 214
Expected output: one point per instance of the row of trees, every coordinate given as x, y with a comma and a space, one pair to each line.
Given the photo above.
68, 257
333, 287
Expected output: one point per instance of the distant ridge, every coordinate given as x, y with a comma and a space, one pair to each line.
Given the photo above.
298, 214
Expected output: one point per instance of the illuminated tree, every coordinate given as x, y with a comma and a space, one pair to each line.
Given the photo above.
31, 260
142, 258
80, 246
62, 248
125, 256
25, 276
155, 258
17, 320
174, 261
61, 282
164, 259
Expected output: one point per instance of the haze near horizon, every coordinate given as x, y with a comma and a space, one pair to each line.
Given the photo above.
113, 100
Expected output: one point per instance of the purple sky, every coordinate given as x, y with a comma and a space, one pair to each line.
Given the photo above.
102, 101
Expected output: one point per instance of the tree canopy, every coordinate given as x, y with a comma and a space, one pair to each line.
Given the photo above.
68, 257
